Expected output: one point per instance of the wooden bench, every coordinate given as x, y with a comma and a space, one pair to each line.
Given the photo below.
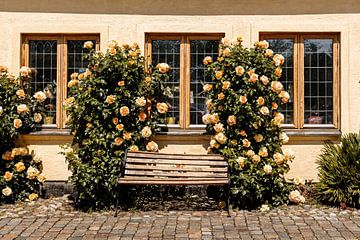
148, 168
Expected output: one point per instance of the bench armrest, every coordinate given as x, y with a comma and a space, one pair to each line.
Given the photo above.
122, 165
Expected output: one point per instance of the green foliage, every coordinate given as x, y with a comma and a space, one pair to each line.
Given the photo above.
113, 107
20, 172
339, 172
246, 124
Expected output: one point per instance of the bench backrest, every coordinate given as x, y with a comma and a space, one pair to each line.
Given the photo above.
175, 166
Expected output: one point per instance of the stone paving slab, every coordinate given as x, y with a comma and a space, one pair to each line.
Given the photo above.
56, 219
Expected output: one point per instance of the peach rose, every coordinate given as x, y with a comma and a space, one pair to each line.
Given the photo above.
284, 138
20, 93
239, 70
127, 136
269, 53
22, 108
289, 155
118, 141
7, 156
219, 127
209, 104
278, 158
221, 96
20, 166
17, 123
121, 83
162, 107
112, 44
246, 142
115, 121
261, 101
33, 197
263, 152
220, 138
243, 99
73, 83
219, 74
298, 181
225, 41
120, 127
112, 51
256, 159
241, 161
146, 132
278, 119
253, 78
3, 68
152, 147
214, 144
296, 197
110, 99
8, 176
264, 80
276, 86
258, 137
133, 148
37, 117
267, 169
284, 96
32, 173
264, 110
124, 111
214, 118
25, 71
142, 116
233, 142
6, 191
278, 72
226, 85
206, 118
40, 96
81, 76
226, 52
250, 153
207, 60
140, 101
262, 44
207, 87
274, 106
231, 120
163, 67
41, 178
278, 59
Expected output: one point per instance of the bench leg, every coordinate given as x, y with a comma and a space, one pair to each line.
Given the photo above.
117, 201
228, 200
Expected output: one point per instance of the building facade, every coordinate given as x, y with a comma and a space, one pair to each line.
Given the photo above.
318, 38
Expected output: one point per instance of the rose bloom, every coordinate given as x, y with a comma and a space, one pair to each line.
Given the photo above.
124, 111
267, 169
207, 60
263, 152
241, 161
262, 44
264, 80
269, 53
296, 197
81, 76
20, 166
206, 118
231, 120
146, 132
88, 125
284, 96
24, 151
22, 108
111, 44
261, 101
219, 127
8, 176
278, 59
112, 51
33, 197
258, 137
163, 67
133, 148
41, 178
120, 127
1, 110
279, 158
142, 116
115, 121
278, 119
243, 133
127, 136
250, 153
110, 99
148, 80
289, 155
219, 74
214, 118
17, 123
87, 73
7, 156
284, 138
209, 104
278, 72
274, 105
40, 96
214, 143
220, 138
256, 158
233, 142
3, 68
239, 70
221, 96
121, 83
152, 147
25, 71
243, 99
226, 85
225, 41
10, 76
298, 181
264, 110
140, 101
246, 142
88, 45
15, 152
276, 86
73, 83
74, 76
207, 87
253, 78
20, 93
32, 173
69, 101
162, 107
6, 191
226, 52
118, 141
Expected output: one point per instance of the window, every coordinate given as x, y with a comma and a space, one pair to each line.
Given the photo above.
55, 58
184, 53
311, 76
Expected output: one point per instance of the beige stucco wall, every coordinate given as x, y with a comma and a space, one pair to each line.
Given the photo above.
128, 21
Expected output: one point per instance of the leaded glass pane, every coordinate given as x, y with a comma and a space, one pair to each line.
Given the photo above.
199, 49
285, 47
43, 57
168, 51
318, 81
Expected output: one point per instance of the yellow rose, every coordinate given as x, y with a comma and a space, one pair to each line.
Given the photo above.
121, 83
231, 120
289, 155
278, 59
264, 110
41, 178
214, 143
22, 108
278, 119
246, 142
133, 148
250, 153
226, 85
112, 44
284, 138
88, 44
112, 51
241, 161
243, 133
225, 41
32, 173
278, 72
37, 117
8, 176
20, 93
256, 159
148, 80
87, 73
269, 53
243, 99
226, 52
74, 76
33, 197
220, 138
206, 118
152, 147
88, 125
253, 78
207, 60
163, 67
20, 166
209, 104
73, 83
40, 96
263, 152
258, 137
124, 111
23, 151
207, 87
142, 116
110, 99
6, 191
239, 70
7, 156
25, 71
118, 141
127, 136
261, 101
162, 107
264, 80
262, 44
120, 127
214, 118
284, 96
146, 132
69, 101
115, 121
279, 158
276, 86
3, 68
221, 96
15, 152
219, 127
267, 169
233, 142
133, 54
219, 74
17, 123
140, 101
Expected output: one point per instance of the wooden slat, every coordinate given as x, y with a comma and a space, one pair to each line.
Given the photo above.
176, 168
172, 162
175, 156
175, 174
178, 182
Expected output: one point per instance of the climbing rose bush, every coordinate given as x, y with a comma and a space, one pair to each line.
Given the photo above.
114, 106
20, 171
245, 122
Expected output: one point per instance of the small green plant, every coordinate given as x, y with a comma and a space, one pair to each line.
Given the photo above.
339, 172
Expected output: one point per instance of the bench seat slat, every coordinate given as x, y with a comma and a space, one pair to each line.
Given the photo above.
167, 161
178, 181
174, 174
147, 155
176, 167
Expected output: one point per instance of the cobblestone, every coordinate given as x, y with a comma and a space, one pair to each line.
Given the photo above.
55, 218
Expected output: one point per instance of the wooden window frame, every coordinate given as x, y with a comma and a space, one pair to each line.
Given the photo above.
184, 88
299, 106
61, 88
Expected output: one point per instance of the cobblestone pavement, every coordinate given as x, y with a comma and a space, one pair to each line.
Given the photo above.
56, 219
